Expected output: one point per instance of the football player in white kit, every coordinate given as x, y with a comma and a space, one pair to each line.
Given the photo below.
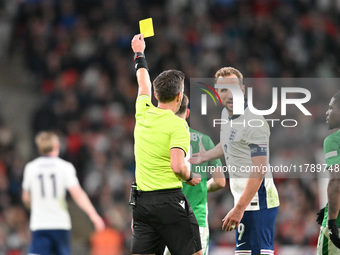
245, 149
46, 180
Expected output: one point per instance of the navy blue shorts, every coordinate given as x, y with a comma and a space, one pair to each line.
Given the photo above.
255, 233
47, 242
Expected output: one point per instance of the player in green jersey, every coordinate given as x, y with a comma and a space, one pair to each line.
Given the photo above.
197, 195
161, 212
329, 241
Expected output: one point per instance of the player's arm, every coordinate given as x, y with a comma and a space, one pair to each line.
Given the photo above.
26, 184
217, 181
143, 78
181, 169
203, 155
26, 198
333, 192
83, 201
254, 181
234, 217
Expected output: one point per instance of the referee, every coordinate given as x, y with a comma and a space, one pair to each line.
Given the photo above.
162, 213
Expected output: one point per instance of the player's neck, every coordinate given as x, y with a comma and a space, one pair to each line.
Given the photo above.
168, 106
52, 154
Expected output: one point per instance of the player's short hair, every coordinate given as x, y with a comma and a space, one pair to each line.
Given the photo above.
184, 105
337, 98
168, 84
46, 141
227, 71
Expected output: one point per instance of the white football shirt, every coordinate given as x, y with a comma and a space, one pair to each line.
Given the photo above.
243, 137
47, 179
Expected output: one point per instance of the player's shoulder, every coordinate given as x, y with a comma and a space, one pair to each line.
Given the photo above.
34, 162
143, 98
63, 162
202, 135
143, 102
49, 161
256, 122
249, 115
175, 120
333, 138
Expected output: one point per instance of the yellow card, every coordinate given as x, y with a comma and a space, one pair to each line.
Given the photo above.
146, 27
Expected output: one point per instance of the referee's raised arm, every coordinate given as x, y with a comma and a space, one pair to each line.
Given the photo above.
143, 78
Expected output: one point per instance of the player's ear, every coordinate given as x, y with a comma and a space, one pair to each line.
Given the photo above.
154, 93
57, 147
187, 114
179, 96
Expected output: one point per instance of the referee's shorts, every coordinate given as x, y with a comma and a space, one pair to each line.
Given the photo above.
164, 217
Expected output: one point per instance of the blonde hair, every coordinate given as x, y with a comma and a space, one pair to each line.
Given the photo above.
45, 141
228, 71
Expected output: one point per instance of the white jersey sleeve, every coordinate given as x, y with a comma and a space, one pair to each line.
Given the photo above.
257, 138
71, 177
26, 180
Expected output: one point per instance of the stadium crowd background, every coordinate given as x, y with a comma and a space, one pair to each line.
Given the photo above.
79, 59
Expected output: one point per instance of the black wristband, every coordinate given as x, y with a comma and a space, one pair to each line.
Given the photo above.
191, 176
141, 63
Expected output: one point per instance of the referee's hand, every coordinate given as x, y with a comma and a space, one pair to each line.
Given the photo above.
138, 43
196, 179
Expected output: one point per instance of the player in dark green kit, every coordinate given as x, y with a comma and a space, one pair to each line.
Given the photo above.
329, 241
161, 213
197, 195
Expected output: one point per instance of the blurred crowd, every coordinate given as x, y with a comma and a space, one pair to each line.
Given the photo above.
79, 54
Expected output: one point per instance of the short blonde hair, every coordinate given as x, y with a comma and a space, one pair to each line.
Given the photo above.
45, 141
228, 71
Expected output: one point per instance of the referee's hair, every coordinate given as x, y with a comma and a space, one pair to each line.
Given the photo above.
337, 98
184, 105
168, 84
45, 141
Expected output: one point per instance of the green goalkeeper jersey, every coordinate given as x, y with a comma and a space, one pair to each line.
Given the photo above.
197, 195
331, 147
